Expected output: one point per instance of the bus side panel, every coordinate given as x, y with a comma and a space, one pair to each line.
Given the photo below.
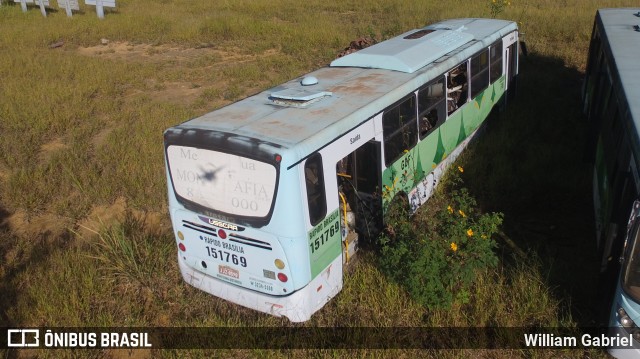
416, 166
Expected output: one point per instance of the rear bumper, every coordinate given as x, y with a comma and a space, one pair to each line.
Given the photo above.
297, 307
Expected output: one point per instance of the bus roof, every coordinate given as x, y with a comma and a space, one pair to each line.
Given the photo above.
410, 51
305, 118
622, 33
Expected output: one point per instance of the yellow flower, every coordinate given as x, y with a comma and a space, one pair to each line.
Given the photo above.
460, 169
450, 209
454, 246
405, 151
461, 213
433, 165
483, 236
469, 232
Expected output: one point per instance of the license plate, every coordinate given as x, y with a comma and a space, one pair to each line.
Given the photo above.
229, 272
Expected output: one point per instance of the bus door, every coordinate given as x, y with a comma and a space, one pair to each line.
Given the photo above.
359, 188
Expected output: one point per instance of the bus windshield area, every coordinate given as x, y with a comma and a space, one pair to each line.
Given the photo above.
631, 269
229, 184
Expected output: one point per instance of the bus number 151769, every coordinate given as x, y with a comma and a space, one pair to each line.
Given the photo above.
324, 237
226, 256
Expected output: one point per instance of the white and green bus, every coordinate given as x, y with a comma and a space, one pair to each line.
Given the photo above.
269, 196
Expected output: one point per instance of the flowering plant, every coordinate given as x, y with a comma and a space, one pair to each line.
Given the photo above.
498, 6
437, 254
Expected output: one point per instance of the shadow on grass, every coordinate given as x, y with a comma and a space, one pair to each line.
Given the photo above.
530, 166
17, 255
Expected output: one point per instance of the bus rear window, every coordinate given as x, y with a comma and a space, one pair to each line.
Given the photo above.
222, 182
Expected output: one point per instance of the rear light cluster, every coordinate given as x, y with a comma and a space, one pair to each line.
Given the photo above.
181, 245
279, 263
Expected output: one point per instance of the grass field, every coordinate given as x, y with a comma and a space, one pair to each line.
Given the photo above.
85, 236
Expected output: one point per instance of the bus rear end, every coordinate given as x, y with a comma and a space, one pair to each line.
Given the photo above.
222, 198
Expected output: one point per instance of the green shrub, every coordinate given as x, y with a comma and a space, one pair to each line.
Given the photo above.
436, 255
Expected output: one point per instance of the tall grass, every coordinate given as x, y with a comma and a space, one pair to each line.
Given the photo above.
80, 131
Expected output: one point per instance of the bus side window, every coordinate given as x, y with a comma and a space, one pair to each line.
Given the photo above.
399, 128
431, 107
495, 57
457, 88
479, 73
314, 179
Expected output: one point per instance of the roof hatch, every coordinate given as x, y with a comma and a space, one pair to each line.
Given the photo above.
297, 97
408, 52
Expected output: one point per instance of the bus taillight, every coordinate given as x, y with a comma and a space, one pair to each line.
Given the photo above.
222, 234
182, 247
282, 277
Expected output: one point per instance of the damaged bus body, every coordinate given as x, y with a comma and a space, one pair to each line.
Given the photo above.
268, 196
611, 102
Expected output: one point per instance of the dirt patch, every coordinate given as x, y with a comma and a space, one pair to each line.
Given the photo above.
99, 139
124, 51
49, 148
28, 226
175, 92
181, 92
153, 222
102, 217
191, 60
105, 216
166, 53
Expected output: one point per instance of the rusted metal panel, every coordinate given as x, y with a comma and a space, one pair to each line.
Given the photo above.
357, 94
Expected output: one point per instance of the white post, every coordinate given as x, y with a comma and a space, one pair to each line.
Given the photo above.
42, 9
23, 5
99, 9
68, 7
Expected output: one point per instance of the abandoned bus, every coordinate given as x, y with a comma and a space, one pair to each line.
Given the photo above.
269, 196
611, 103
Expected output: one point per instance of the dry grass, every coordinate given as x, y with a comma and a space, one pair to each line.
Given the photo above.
81, 127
